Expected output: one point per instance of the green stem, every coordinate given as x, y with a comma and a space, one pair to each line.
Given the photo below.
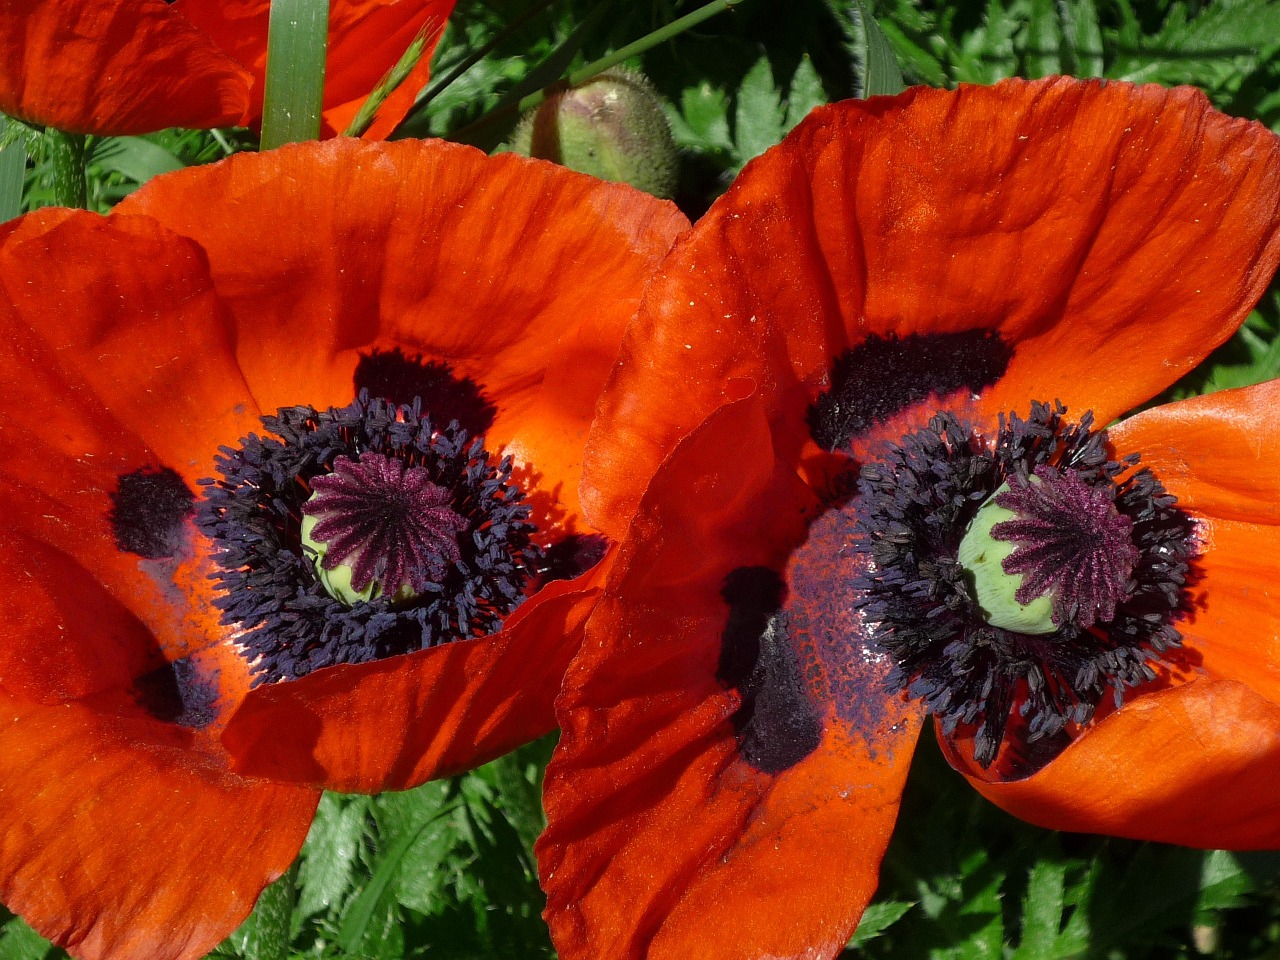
647, 42
297, 38
66, 150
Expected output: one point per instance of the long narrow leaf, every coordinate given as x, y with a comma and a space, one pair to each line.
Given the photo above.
297, 38
13, 170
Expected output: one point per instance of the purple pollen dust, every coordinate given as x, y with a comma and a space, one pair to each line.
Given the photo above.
386, 522
1072, 543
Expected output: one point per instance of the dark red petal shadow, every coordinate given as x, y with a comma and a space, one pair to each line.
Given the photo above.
1096, 228
671, 833
114, 67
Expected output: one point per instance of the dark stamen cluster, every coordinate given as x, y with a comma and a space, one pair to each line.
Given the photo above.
917, 503
271, 592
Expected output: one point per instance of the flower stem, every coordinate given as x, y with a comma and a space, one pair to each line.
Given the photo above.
66, 150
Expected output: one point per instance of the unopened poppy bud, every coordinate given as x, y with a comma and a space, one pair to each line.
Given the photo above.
983, 555
611, 127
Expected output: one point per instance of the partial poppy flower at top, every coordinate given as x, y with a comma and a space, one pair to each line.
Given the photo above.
117, 67
293, 444
857, 441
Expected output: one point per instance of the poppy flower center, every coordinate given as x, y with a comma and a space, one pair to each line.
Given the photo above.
1049, 549
380, 528
1019, 579
357, 533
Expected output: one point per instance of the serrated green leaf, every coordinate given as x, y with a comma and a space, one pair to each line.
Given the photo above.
805, 94
270, 930
19, 942
135, 158
1223, 882
1043, 907
1082, 35
705, 110
330, 854
759, 117
877, 918
1044, 39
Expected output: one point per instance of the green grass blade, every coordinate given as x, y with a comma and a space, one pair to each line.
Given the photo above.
296, 42
881, 75
13, 174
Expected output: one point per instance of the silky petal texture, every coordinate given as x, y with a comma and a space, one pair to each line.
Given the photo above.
662, 840
114, 67
366, 39
1210, 747
1097, 227
1162, 769
519, 274
119, 840
438, 712
125, 361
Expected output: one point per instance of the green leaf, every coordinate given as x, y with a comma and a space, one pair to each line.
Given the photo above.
880, 72
19, 942
330, 855
1083, 37
135, 158
13, 172
806, 93
877, 918
704, 119
1044, 39
270, 928
759, 118
297, 38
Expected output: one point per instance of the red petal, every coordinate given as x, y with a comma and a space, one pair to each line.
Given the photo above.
114, 67
1195, 765
366, 39
1100, 229
664, 839
128, 837
396, 723
518, 274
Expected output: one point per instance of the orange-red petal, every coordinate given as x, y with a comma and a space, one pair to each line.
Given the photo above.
1191, 764
114, 67
669, 836
518, 274
396, 723
366, 39
1110, 234
121, 837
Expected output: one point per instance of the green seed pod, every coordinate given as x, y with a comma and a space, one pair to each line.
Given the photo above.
611, 127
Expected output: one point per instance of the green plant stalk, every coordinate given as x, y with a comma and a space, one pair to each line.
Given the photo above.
66, 150
297, 39
13, 172
633, 49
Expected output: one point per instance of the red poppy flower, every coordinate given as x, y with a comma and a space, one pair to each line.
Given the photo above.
850, 364
166, 733
134, 66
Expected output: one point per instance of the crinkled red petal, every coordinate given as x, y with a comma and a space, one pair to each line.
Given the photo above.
115, 67
1094, 227
683, 821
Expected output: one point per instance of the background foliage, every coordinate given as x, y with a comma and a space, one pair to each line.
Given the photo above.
447, 870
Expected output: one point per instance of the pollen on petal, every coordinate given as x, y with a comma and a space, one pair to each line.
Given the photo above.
148, 510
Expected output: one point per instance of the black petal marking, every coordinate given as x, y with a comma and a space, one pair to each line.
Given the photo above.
178, 693
394, 376
777, 725
149, 509
883, 376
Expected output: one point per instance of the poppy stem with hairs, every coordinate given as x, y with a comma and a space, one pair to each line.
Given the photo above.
66, 150
297, 39
633, 49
